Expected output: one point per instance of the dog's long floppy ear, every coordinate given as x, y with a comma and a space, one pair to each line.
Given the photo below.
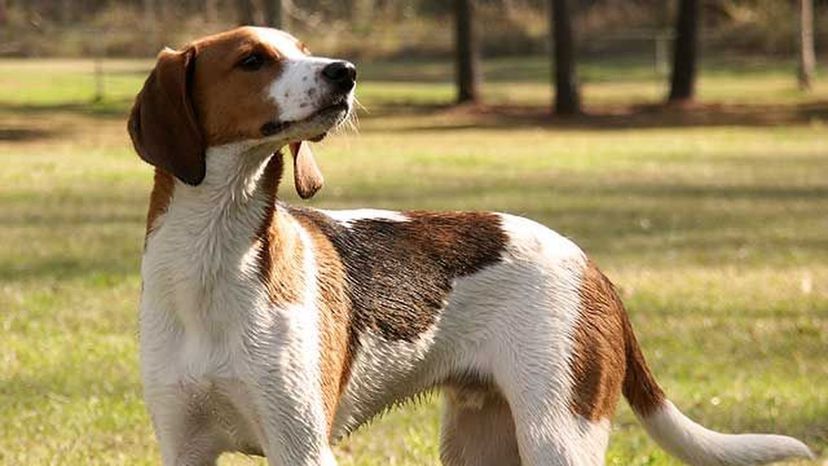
163, 123
307, 178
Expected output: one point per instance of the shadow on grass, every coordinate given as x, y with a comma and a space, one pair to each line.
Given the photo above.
66, 268
453, 118
25, 134
21, 123
110, 108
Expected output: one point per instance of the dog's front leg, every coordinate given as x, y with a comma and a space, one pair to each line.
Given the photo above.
284, 381
182, 427
292, 431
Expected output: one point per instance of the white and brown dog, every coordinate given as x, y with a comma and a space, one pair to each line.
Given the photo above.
275, 330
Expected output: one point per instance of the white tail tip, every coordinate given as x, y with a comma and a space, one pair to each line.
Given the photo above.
696, 445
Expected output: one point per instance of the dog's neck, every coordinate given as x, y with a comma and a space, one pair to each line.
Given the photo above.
235, 174
229, 206
240, 179
207, 233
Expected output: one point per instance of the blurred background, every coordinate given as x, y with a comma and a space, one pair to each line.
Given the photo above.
682, 143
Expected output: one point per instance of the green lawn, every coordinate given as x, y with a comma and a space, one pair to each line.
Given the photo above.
713, 223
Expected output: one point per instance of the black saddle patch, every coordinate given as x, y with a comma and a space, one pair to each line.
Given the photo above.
399, 274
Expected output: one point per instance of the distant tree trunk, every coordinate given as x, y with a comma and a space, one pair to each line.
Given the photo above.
4, 12
273, 13
685, 52
149, 13
166, 8
67, 7
467, 52
246, 12
362, 13
211, 10
567, 98
807, 56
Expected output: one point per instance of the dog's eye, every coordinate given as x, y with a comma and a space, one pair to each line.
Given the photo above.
252, 62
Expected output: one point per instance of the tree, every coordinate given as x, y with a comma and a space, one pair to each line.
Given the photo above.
685, 48
362, 13
67, 9
273, 13
4, 12
567, 98
246, 12
149, 13
807, 57
211, 10
467, 52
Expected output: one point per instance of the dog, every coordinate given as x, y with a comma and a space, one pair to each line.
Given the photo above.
275, 330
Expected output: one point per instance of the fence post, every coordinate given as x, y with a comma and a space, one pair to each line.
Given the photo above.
99, 71
660, 64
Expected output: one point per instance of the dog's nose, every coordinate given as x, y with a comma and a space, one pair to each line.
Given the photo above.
342, 74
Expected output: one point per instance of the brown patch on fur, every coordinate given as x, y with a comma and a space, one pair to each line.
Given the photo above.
640, 387
389, 277
162, 192
334, 313
281, 251
606, 355
281, 265
400, 273
230, 101
163, 124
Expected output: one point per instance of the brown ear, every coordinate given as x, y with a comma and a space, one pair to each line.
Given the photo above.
163, 124
307, 178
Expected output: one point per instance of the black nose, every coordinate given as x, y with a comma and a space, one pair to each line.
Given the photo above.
341, 74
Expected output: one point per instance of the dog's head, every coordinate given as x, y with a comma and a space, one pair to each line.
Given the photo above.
248, 84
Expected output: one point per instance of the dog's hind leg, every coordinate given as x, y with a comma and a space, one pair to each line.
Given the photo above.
477, 429
550, 434
576, 442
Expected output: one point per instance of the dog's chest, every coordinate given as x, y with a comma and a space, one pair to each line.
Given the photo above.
200, 296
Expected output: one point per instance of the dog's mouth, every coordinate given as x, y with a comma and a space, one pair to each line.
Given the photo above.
324, 119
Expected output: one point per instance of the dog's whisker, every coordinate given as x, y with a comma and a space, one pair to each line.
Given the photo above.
359, 105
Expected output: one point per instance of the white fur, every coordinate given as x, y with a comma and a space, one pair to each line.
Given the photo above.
300, 89
699, 446
347, 217
383, 373
286, 44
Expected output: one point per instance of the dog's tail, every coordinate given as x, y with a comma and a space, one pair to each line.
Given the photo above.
685, 439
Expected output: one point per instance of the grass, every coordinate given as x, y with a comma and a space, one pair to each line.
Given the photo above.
712, 222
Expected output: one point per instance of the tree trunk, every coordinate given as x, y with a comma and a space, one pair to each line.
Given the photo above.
362, 13
4, 12
273, 13
567, 98
685, 52
246, 12
211, 12
467, 52
149, 14
66, 11
807, 56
